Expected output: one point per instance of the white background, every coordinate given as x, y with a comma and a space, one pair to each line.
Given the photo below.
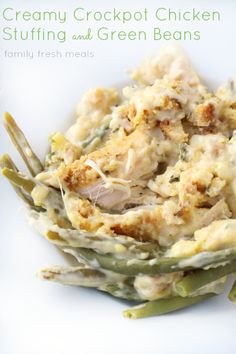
44, 318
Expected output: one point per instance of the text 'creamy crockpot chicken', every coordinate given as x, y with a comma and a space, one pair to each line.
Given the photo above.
141, 189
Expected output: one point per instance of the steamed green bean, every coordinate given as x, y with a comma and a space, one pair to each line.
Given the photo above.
163, 306
6, 162
115, 284
19, 179
31, 160
232, 293
201, 277
154, 266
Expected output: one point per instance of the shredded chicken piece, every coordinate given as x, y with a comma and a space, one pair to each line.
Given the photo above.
156, 164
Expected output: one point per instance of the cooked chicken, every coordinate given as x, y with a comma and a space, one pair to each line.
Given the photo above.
157, 164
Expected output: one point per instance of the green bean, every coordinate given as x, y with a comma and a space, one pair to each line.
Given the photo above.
52, 203
130, 267
156, 265
124, 246
104, 244
232, 293
31, 160
23, 185
55, 213
19, 179
115, 284
122, 290
162, 306
199, 278
82, 276
6, 161
99, 133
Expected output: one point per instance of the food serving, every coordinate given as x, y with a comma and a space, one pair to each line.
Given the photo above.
141, 189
